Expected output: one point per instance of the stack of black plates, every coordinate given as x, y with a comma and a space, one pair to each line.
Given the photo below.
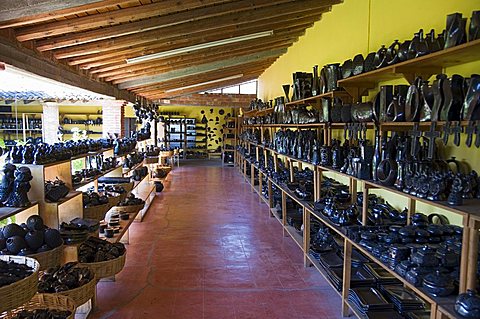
404, 300
382, 276
367, 300
331, 259
359, 277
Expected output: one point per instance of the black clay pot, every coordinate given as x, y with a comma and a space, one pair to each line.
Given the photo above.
35, 222
34, 239
11, 230
15, 244
425, 257
468, 304
3, 243
415, 275
438, 284
109, 232
53, 238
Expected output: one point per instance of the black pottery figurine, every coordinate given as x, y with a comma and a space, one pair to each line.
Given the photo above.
6, 186
455, 197
18, 197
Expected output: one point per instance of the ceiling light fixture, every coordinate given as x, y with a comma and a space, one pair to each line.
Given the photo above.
199, 47
233, 77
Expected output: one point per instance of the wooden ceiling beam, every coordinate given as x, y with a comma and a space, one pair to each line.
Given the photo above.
123, 68
18, 9
162, 22
96, 60
127, 75
162, 95
56, 14
202, 68
110, 18
227, 24
160, 92
258, 65
28, 60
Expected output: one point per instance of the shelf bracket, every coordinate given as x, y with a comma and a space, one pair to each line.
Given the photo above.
361, 89
410, 74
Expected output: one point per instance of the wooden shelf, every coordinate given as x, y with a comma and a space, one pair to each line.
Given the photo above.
318, 98
126, 171
443, 303
470, 206
276, 214
124, 226
322, 271
297, 238
93, 179
429, 64
6, 212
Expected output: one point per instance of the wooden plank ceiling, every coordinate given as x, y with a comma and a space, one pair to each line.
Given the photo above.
98, 37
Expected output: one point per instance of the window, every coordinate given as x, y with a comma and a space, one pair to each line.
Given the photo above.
243, 88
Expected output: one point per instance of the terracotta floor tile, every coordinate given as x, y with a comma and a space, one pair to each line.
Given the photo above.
207, 249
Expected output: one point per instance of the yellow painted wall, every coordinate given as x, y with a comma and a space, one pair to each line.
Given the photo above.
362, 26
212, 113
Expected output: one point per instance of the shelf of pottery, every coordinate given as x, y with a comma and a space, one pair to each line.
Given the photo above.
20, 126
229, 141
185, 134
89, 124
327, 169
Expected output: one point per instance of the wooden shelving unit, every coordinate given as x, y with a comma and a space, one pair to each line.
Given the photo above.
229, 144
354, 88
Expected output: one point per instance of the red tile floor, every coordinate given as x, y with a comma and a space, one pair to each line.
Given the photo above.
207, 249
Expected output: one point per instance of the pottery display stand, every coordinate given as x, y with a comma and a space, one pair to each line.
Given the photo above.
467, 215
232, 141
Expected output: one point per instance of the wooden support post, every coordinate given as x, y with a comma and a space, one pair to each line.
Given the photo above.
260, 186
292, 177
471, 266
252, 177
316, 185
270, 193
365, 205
411, 208
306, 236
275, 161
284, 211
353, 189
300, 166
347, 274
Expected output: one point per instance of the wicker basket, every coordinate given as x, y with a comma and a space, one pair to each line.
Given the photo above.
96, 212
44, 301
128, 188
129, 208
19, 292
113, 200
51, 258
81, 294
109, 268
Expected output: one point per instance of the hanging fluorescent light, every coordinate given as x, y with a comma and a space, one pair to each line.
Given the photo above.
233, 77
199, 47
